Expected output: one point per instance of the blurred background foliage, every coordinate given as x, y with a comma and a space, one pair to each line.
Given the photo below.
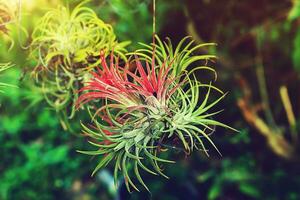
259, 64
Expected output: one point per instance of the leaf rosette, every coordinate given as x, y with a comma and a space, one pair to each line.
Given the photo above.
150, 101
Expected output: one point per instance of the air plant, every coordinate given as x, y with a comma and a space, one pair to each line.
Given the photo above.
66, 46
8, 13
145, 109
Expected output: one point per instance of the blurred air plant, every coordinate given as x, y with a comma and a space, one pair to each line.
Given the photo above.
66, 45
9, 12
143, 109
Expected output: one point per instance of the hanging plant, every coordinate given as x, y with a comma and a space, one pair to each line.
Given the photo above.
66, 45
145, 109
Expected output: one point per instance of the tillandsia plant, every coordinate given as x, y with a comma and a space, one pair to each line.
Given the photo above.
144, 109
66, 45
9, 14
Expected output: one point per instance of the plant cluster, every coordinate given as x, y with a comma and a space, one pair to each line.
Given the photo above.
148, 102
141, 103
65, 43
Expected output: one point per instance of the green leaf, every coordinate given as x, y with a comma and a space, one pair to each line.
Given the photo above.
295, 11
104, 162
56, 155
296, 51
215, 190
249, 189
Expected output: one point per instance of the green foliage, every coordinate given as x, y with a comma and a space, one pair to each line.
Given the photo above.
33, 163
38, 159
237, 173
130, 17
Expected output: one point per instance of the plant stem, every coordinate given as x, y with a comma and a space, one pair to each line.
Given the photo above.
260, 73
154, 17
289, 111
